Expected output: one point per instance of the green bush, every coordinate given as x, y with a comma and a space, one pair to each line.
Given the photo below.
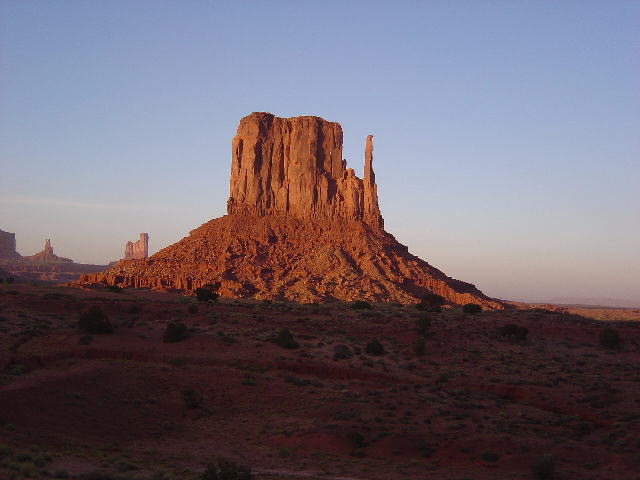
192, 309
226, 470
543, 467
374, 347
361, 305
114, 288
206, 293
419, 346
431, 302
472, 308
284, 338
513, 332
94, 321
610, 338
175, 332
191, 398
423, 325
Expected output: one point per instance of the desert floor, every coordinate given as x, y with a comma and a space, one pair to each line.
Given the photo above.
476, 405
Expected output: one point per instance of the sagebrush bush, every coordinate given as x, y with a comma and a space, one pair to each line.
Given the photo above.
374, 347
543, 467
191, 398
175, 332
431, 302
513, 332
423, 325
419, 346
206, 293
356, 438
94, 321
361, 305
226, 470
284, 338
472, 308
610, 338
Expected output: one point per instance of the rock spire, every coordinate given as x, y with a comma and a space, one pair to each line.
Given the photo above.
138, 249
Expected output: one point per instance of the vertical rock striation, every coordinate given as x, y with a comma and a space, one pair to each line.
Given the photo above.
294, 167
138, 249
8, 246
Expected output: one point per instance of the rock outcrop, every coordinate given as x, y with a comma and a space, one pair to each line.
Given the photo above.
46, 255
138, 249
8, 246
300, 226
294, 167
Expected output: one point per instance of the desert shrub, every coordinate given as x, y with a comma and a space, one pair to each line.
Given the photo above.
610, 338
419, 346
423, 324
191, 398
10, 280
284, 338
206, 293
85, 340
356, 438
514, 332
95, 321
226, 470
342, 352
192, 309
175, 332
543, 467
490, 457
431, 302
361, 305
114, 288
374, 347
472, 308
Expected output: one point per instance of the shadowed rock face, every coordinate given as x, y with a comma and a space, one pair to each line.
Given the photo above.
294, 167
8, 246
300, 226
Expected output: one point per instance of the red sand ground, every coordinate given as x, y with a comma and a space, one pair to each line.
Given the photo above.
115, 404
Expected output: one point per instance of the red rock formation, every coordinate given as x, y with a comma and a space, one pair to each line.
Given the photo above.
137, 250
47, 255
294, 167
300, 226
8, 246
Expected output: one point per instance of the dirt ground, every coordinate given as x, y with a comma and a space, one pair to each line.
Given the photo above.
477, 405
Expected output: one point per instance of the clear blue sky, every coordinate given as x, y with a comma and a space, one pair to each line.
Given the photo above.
507, 146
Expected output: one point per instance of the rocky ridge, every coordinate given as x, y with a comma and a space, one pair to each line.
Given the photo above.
300, 226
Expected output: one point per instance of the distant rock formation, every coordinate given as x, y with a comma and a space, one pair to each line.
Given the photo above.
44, 265
300, 226
47, 255
138, 249
8, 246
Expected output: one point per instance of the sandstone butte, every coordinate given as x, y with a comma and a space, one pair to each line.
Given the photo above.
300, 226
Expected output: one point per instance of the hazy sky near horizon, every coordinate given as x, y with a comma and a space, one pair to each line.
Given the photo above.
506, 133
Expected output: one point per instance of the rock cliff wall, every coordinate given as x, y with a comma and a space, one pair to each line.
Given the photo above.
294, 167
8, 246
138, 249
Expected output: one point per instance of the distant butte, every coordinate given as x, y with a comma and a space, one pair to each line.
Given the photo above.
300, 226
